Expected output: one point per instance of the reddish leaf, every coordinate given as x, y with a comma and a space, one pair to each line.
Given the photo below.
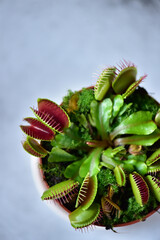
139, 187
48, 120
53, 113
32, 151
37, 130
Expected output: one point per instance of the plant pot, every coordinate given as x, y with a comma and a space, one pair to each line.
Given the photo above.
109, 143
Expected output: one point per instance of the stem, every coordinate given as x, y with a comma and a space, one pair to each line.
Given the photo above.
96, 143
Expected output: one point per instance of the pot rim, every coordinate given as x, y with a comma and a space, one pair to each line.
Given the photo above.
61, 210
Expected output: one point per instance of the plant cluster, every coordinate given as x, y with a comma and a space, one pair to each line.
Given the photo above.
100, 149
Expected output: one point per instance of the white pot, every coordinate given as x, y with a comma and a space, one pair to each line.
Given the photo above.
42, 186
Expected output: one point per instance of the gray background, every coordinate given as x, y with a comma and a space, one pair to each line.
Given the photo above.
47, 47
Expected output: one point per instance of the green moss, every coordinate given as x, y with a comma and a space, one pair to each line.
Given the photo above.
66, 99
53, 172
106, 178
86, 96
134, 211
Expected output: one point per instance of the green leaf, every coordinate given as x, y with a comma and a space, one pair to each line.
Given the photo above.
133, 87
94, 113
120, 176
80, 218
139, 188
34, 148
60, 155
143, 140
117, 104
141, 168
60, 190
154, 184
87, 192
91, 164
157, 118
104, 82
105, 113
84, 169
139, 123
72, 170
138, 158
111, 153
124, 79
108, 159
128, 165
153, 158
100, 116
94, 165
124, 108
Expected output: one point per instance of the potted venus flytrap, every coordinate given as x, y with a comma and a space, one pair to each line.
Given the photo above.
100, 150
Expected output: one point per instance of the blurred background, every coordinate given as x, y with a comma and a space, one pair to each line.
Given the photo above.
46, 48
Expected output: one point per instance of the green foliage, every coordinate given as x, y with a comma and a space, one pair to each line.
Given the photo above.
120, 176
104, 83
139, 123
91, 163
100, 116
154, 157
86, 96
135, 102
145, 103
154, 184
117, 104
157, 118
143, 140
94, 149
60, 190
105, 114
72, 170
135, 211
80, 218
59, 155
53, 172
70, 139
66, 99
106, 178
124, 79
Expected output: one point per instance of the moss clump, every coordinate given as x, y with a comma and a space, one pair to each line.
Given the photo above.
53, 172
134, 211
106, 178
86, 96
66, 99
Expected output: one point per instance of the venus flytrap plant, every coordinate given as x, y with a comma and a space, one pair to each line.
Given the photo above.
139, 187
125, 76
60, 191
104, 83
95, 131
34, 148
87, 192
